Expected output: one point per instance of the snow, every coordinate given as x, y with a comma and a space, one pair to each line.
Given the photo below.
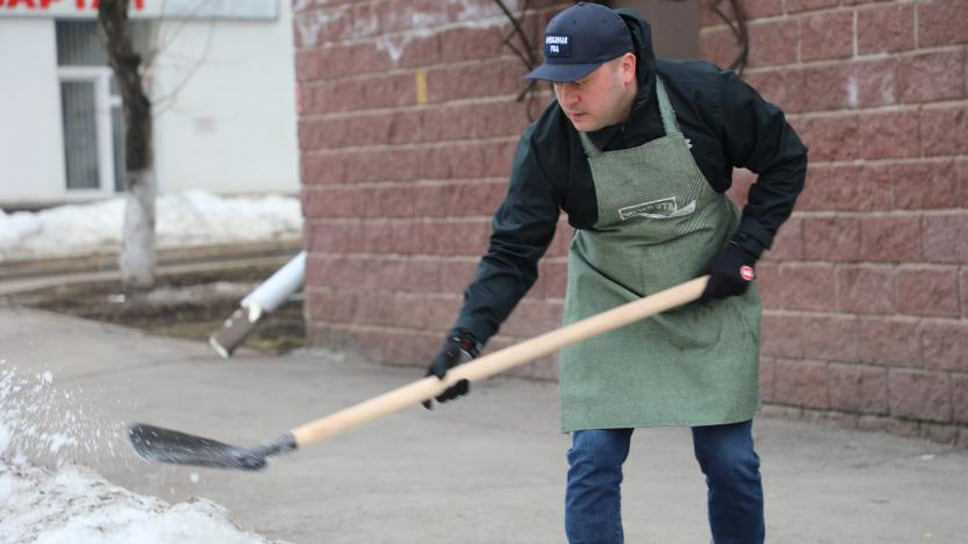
75, 505
44, 497
4, 441
191, 218
42, 421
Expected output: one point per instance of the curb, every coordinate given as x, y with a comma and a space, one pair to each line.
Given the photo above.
106, 261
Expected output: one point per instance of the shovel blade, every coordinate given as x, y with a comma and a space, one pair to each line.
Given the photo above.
158, 444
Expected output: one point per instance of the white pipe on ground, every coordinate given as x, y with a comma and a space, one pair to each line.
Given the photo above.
274, 291
262, 301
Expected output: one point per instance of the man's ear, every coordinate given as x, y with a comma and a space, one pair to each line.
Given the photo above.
628, 68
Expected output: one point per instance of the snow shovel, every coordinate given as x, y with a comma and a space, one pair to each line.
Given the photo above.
168, 446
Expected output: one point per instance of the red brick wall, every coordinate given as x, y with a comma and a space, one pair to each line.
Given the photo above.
409, 120
866, 290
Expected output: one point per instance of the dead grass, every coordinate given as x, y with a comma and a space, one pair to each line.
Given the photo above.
191, 305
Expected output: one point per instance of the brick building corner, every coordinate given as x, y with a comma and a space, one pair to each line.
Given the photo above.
409, 115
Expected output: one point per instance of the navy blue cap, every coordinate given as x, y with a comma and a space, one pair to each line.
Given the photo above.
580, 39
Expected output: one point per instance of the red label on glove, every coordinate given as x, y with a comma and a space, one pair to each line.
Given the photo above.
746, 272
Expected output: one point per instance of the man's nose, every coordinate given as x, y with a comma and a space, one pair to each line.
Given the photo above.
568, 94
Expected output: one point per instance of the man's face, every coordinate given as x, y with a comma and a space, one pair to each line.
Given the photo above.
602, 98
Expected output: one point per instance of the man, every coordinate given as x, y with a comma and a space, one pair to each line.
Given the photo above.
639, 152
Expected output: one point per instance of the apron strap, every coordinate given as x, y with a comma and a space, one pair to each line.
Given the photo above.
665, 108
590, 150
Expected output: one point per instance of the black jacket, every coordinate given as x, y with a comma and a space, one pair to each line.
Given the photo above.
728, 125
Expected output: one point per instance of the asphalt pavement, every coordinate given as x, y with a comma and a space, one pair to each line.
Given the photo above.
487, 469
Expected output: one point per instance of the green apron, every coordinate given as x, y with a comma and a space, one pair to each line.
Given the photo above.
659, 224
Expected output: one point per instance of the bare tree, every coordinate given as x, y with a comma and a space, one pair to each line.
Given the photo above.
137, 259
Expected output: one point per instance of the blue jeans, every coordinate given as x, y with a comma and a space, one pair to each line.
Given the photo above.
725, 454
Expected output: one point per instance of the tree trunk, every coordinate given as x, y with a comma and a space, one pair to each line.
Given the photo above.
137, 259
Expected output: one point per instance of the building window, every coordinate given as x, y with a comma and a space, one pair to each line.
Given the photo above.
81, 134
93, 123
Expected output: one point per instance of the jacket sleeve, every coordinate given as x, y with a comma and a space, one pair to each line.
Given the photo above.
523, 227
757, 136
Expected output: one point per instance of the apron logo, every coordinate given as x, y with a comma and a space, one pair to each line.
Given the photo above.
666, 208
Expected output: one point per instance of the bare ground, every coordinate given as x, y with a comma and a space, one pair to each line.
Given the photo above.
187, 305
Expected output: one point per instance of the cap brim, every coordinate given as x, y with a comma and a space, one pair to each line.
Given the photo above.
561, 73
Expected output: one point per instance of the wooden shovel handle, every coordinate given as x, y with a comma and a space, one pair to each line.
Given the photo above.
499, 361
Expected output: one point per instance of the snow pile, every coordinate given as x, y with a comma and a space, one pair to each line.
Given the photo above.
41, 421
194, 218
15, 226
77, 506
191, 218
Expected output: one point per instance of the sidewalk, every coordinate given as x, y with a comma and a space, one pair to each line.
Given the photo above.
488, 469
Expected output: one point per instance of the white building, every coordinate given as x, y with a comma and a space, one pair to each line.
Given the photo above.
220, 75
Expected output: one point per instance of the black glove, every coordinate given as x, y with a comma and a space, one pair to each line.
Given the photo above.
730, 273
457, 349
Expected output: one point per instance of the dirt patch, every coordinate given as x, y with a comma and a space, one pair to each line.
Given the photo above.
187, 305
